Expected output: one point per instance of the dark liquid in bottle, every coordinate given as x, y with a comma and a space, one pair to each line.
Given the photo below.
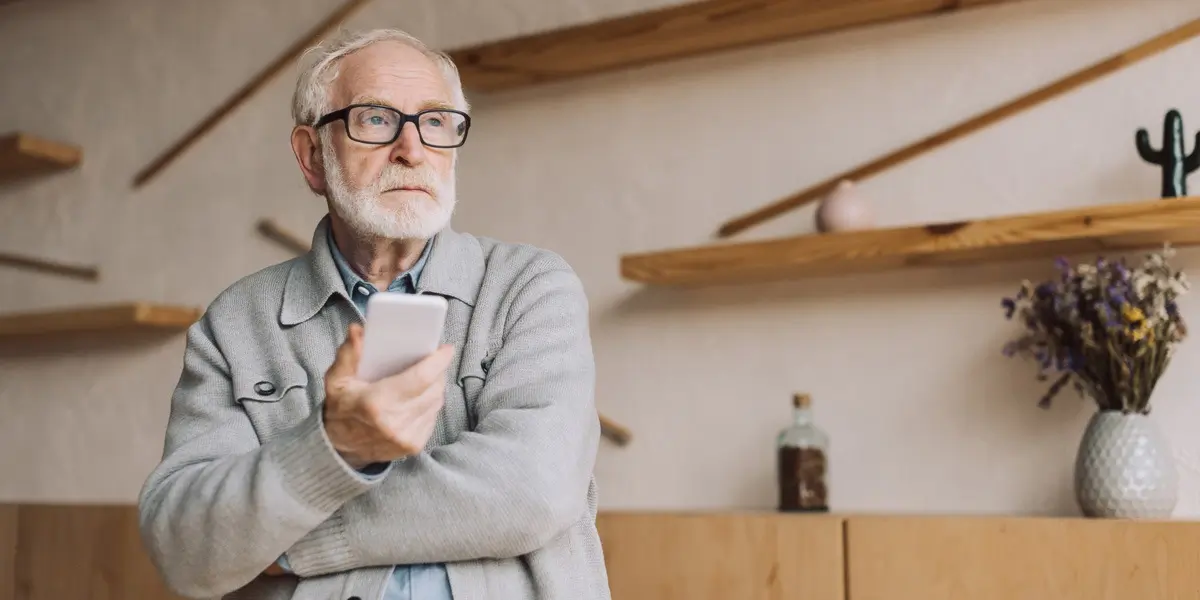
802, 480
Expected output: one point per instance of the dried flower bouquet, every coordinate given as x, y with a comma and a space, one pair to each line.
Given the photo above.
1108, 329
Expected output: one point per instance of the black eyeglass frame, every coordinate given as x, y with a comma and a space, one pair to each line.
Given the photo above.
344, 114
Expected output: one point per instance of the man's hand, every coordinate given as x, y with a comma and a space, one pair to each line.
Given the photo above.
386, 420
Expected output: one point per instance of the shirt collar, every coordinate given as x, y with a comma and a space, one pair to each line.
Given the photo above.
405, 282
455, 268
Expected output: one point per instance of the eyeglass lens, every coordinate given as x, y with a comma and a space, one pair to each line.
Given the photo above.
378, 125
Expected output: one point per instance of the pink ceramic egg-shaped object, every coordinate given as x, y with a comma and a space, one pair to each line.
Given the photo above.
844, 210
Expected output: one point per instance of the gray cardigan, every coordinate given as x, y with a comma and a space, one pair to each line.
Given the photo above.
504, 492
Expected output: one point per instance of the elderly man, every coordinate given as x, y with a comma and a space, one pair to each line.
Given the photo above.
468, 476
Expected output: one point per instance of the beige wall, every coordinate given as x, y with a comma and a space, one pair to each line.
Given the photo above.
905, 368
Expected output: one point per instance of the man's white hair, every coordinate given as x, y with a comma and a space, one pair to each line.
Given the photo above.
311, 98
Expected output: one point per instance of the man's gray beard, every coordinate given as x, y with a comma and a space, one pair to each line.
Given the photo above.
363, 210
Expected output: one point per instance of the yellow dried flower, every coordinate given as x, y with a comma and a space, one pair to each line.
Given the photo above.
1139, 333
1132, 314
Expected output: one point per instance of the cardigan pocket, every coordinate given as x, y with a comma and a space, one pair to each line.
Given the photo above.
274, 397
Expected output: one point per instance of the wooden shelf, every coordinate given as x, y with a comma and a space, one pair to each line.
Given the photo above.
23, 155
674, 32
1107, 228
116, 318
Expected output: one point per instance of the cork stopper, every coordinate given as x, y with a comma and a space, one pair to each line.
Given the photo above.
800, 400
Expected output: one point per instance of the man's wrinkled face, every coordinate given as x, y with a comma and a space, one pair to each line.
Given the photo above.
403, 190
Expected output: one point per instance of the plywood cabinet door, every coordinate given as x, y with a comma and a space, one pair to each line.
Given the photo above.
1000, 558
75, 553
723, 556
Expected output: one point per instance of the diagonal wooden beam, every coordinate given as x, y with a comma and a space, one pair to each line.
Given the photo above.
271, 230
323, 29
610, 429
694, 28
614, 432
1140, 52
30, 263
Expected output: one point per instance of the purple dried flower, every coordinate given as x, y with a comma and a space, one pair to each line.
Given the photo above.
1110, 316
1094, 327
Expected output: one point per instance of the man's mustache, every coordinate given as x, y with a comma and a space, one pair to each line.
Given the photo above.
395, 177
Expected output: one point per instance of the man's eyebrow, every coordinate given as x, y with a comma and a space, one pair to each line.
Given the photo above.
372, 100
430, 104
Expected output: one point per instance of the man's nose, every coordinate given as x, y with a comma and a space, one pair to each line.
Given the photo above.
408, 148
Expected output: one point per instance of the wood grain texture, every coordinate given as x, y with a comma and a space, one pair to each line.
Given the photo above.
1008, 558
1112, 64
83, 553
9, 513
672, 33
23, 155
1115, 227
720, 556
115, 318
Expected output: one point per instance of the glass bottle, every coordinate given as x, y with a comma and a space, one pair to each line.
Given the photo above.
802, 465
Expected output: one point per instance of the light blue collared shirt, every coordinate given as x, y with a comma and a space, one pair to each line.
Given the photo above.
409, 582
360, 290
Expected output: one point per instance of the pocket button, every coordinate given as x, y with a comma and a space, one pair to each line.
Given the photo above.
264, 388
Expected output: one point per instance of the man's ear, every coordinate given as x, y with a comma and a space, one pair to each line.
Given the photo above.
306, 146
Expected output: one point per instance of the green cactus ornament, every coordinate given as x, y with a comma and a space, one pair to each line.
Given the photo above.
1176, 163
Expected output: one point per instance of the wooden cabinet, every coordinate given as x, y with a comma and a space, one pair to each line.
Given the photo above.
749, 556
74, 552
95, 553
1003, 558
726, 556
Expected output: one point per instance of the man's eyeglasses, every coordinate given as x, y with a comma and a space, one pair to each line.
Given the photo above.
377, 124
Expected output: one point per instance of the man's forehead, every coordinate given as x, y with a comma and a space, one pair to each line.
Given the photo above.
392, 74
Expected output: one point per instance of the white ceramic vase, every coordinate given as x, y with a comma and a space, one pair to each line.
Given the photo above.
1125, 468
844, 209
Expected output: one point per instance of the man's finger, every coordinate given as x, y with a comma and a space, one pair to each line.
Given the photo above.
432, 367
345, 363
414, 380
426, 420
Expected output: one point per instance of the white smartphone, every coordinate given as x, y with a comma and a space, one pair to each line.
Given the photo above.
400, 330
